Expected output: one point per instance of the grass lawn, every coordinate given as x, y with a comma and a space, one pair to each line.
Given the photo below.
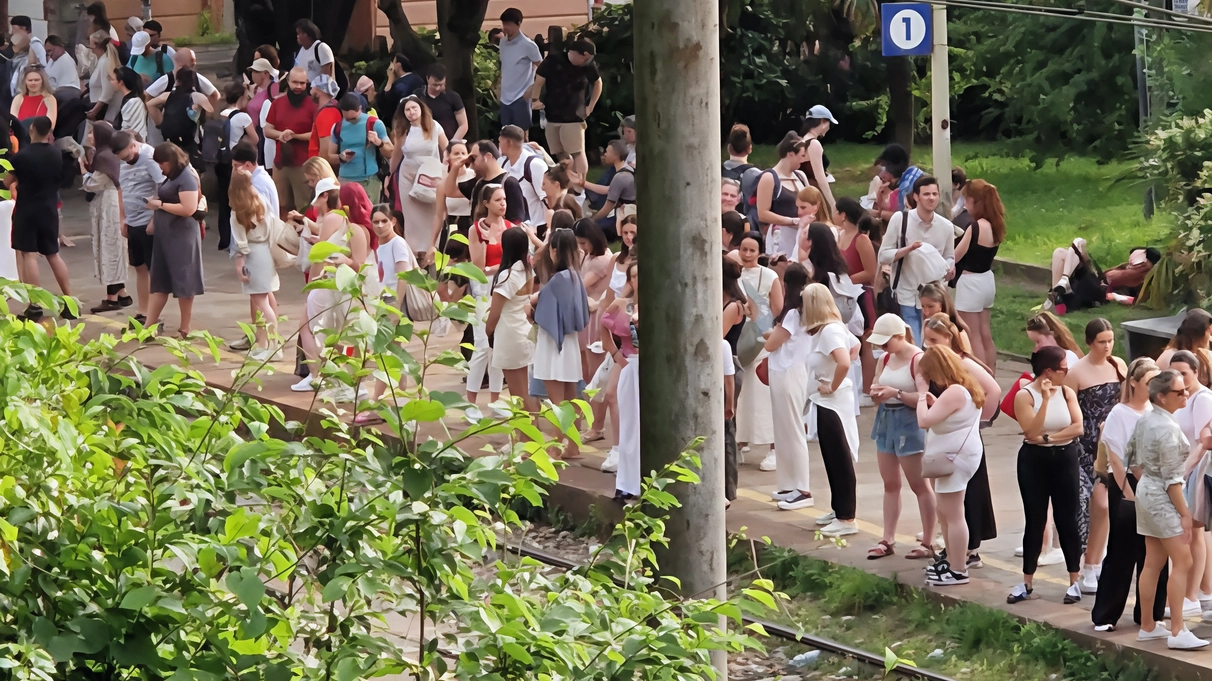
1045, 207
1016, 298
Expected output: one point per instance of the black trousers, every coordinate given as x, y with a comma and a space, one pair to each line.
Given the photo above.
839, 467
1125, 557
730, 472
978, 508
1049, 474
222, 183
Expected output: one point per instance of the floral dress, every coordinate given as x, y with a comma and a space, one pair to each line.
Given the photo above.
1095, 403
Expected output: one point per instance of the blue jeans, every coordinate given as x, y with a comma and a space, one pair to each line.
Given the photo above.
913, 317
595, 200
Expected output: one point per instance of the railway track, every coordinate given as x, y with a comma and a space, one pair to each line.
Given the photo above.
902, 671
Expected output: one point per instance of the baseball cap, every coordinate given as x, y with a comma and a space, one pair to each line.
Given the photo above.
326, 85
139, 42
820, 111
262, 65
887, 326
327, 184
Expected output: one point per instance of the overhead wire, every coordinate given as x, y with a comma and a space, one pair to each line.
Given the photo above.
1160, 10
1068, 13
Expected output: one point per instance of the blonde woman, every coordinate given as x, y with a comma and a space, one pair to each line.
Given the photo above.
417, 137
254, 262
106, 102
34, 97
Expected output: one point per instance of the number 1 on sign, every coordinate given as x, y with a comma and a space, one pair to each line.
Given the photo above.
909, 27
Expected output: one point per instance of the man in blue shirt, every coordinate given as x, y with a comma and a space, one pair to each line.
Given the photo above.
401, 82
147, 61
354, 145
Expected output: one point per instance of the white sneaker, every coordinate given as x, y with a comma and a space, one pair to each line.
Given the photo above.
768, 463
1073, 594
611, 464
304, 386
1051, 557
1159, 632
800, 500
784, 496
839, 528
265, 354
827, 518
745, 449
1190, 609
1088, 580
1018, 553
1185, 641
866, 401
474, 414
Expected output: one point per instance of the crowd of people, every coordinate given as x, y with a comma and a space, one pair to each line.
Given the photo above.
831, 304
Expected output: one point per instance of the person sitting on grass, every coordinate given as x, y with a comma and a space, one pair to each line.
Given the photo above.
1079, 283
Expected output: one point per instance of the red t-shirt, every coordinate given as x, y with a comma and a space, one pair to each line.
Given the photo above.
325, 120
283, 116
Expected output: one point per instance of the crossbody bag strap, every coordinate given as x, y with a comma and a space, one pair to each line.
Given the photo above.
900, 243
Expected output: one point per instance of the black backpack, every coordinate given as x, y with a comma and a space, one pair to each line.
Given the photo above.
176, 126
216, 140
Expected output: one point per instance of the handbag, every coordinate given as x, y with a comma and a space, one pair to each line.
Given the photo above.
425, 186
763, 371
885, 300
750, 344
942, 464
1007, 405
418, 304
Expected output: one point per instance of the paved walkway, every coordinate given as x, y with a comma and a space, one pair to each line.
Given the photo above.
223, 306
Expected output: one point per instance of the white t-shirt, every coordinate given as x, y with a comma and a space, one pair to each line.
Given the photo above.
239, 121
729, 365
796, 349
314, 58
161, 85
1118, 427
532, 189
1193, 417
519, 56
391, 254
62, 73
271, 147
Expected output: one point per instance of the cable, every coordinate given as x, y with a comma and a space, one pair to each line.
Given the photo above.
1150, 8
1065, 13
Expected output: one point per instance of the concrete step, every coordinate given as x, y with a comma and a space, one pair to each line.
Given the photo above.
215, 60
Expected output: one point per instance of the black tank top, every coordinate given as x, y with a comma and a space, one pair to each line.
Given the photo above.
978, 259
782, 199
734, 334
806, 166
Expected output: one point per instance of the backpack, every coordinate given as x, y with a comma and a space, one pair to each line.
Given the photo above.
161, 55
176, 126
216, 140
383, 163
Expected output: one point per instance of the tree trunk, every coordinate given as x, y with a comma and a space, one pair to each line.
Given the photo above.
459, 23
900, 100
404, 39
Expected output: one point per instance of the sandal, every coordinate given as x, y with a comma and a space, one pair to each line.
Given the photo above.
591, 436
920, 552
881, 549
367, 418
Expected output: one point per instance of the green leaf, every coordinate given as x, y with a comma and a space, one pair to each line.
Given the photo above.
247, 586
336, 587
517, 652
137, 599
7, 532
347, 279
320, 251
469, 270
422, 410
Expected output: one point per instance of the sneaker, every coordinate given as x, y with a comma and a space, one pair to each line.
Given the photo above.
303, 386
866, 401
267, 354
839, 528
827, 518
745, 449
1073, 594
800, 500
947, 577
974, 561
940, 564
1088, 580
1018, 553
611, 464
1190, 609
1052, 557
1019, 594
784, 496
1185, 641
240, 345
106, 305
1159, 632
768, 463
125, 301
1104, 628
473, 414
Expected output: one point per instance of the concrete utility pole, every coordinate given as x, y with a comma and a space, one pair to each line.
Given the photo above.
677, 94
940, 109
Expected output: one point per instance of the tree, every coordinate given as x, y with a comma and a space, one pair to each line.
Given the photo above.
404, 38
459, 23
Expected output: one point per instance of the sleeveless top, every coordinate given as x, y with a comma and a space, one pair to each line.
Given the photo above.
978, 259
854, 264
782, 200
1095, 403
1057, 416
734, 334
31, 107
959, 432
899, 378
492, 252
806, 166
618, 279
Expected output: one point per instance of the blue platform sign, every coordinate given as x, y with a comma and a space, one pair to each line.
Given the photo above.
907, 29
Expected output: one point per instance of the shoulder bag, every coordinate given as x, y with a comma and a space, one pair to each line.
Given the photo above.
885, 300
942, 464
429, 174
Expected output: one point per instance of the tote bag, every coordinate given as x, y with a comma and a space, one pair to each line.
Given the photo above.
425, 187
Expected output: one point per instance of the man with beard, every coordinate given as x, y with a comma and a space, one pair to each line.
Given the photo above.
289, 123
140, 176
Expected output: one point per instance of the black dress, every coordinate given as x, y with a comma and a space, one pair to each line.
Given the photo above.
978, 500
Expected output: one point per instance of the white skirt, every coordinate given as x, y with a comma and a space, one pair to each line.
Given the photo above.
262, 275
551, 364
628, 477
975, 292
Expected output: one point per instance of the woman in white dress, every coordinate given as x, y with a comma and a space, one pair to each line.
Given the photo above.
952, 424
754, 423
507, 326
101, 178
250, 229
416, 138
561, 312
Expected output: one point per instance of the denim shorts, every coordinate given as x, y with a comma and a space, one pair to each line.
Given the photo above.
896, 432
